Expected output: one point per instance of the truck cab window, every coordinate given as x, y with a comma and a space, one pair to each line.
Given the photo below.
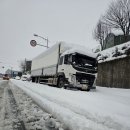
68, 59
61, 60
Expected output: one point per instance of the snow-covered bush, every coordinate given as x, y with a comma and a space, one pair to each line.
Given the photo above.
117, 52
127, 51
124, 47
101, 57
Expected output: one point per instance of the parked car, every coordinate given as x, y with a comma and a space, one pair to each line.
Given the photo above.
17, 77
6, 77
24, 77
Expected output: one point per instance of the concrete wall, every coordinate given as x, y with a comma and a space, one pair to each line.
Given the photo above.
114, 73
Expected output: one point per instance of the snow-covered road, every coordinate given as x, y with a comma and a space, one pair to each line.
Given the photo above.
103, 109
19, 112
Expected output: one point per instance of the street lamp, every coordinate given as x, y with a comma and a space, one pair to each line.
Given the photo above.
46, 39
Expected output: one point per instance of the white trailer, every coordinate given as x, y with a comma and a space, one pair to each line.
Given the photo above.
65, 65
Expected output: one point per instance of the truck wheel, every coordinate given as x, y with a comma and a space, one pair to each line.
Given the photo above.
33, 79
61, 82
88, 89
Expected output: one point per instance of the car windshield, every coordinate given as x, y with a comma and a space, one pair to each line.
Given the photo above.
83, 61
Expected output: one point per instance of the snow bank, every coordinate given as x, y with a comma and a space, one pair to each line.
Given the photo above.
107, 108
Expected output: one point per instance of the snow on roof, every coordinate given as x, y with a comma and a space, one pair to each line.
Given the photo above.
79, 49
46, 52
84, 52
71, 48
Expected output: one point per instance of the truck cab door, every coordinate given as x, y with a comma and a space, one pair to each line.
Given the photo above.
65, 66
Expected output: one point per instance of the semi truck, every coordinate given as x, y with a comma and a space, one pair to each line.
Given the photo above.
65, 65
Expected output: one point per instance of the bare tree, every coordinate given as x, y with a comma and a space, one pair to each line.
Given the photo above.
100, 32
23, 66
118, 16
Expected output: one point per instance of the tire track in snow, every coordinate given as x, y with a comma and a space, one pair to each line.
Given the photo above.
18, 124
9, 113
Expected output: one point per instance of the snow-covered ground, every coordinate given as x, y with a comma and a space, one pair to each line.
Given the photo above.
103, 109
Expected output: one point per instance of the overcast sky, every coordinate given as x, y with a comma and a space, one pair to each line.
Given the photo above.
72, 21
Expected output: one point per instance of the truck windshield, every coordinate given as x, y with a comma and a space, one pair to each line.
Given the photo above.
83, 61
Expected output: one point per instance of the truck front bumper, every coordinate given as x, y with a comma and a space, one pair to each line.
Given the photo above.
83, 81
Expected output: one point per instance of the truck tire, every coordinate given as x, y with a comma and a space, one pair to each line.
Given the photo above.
88, 90
33, 79
61, 82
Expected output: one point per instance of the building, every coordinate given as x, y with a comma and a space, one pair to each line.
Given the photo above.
113, 40
1, 75
13, 73
28, 66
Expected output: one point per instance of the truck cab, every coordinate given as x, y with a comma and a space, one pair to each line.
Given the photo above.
78, 70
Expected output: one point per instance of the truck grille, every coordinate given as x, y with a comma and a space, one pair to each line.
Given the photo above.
85, 78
